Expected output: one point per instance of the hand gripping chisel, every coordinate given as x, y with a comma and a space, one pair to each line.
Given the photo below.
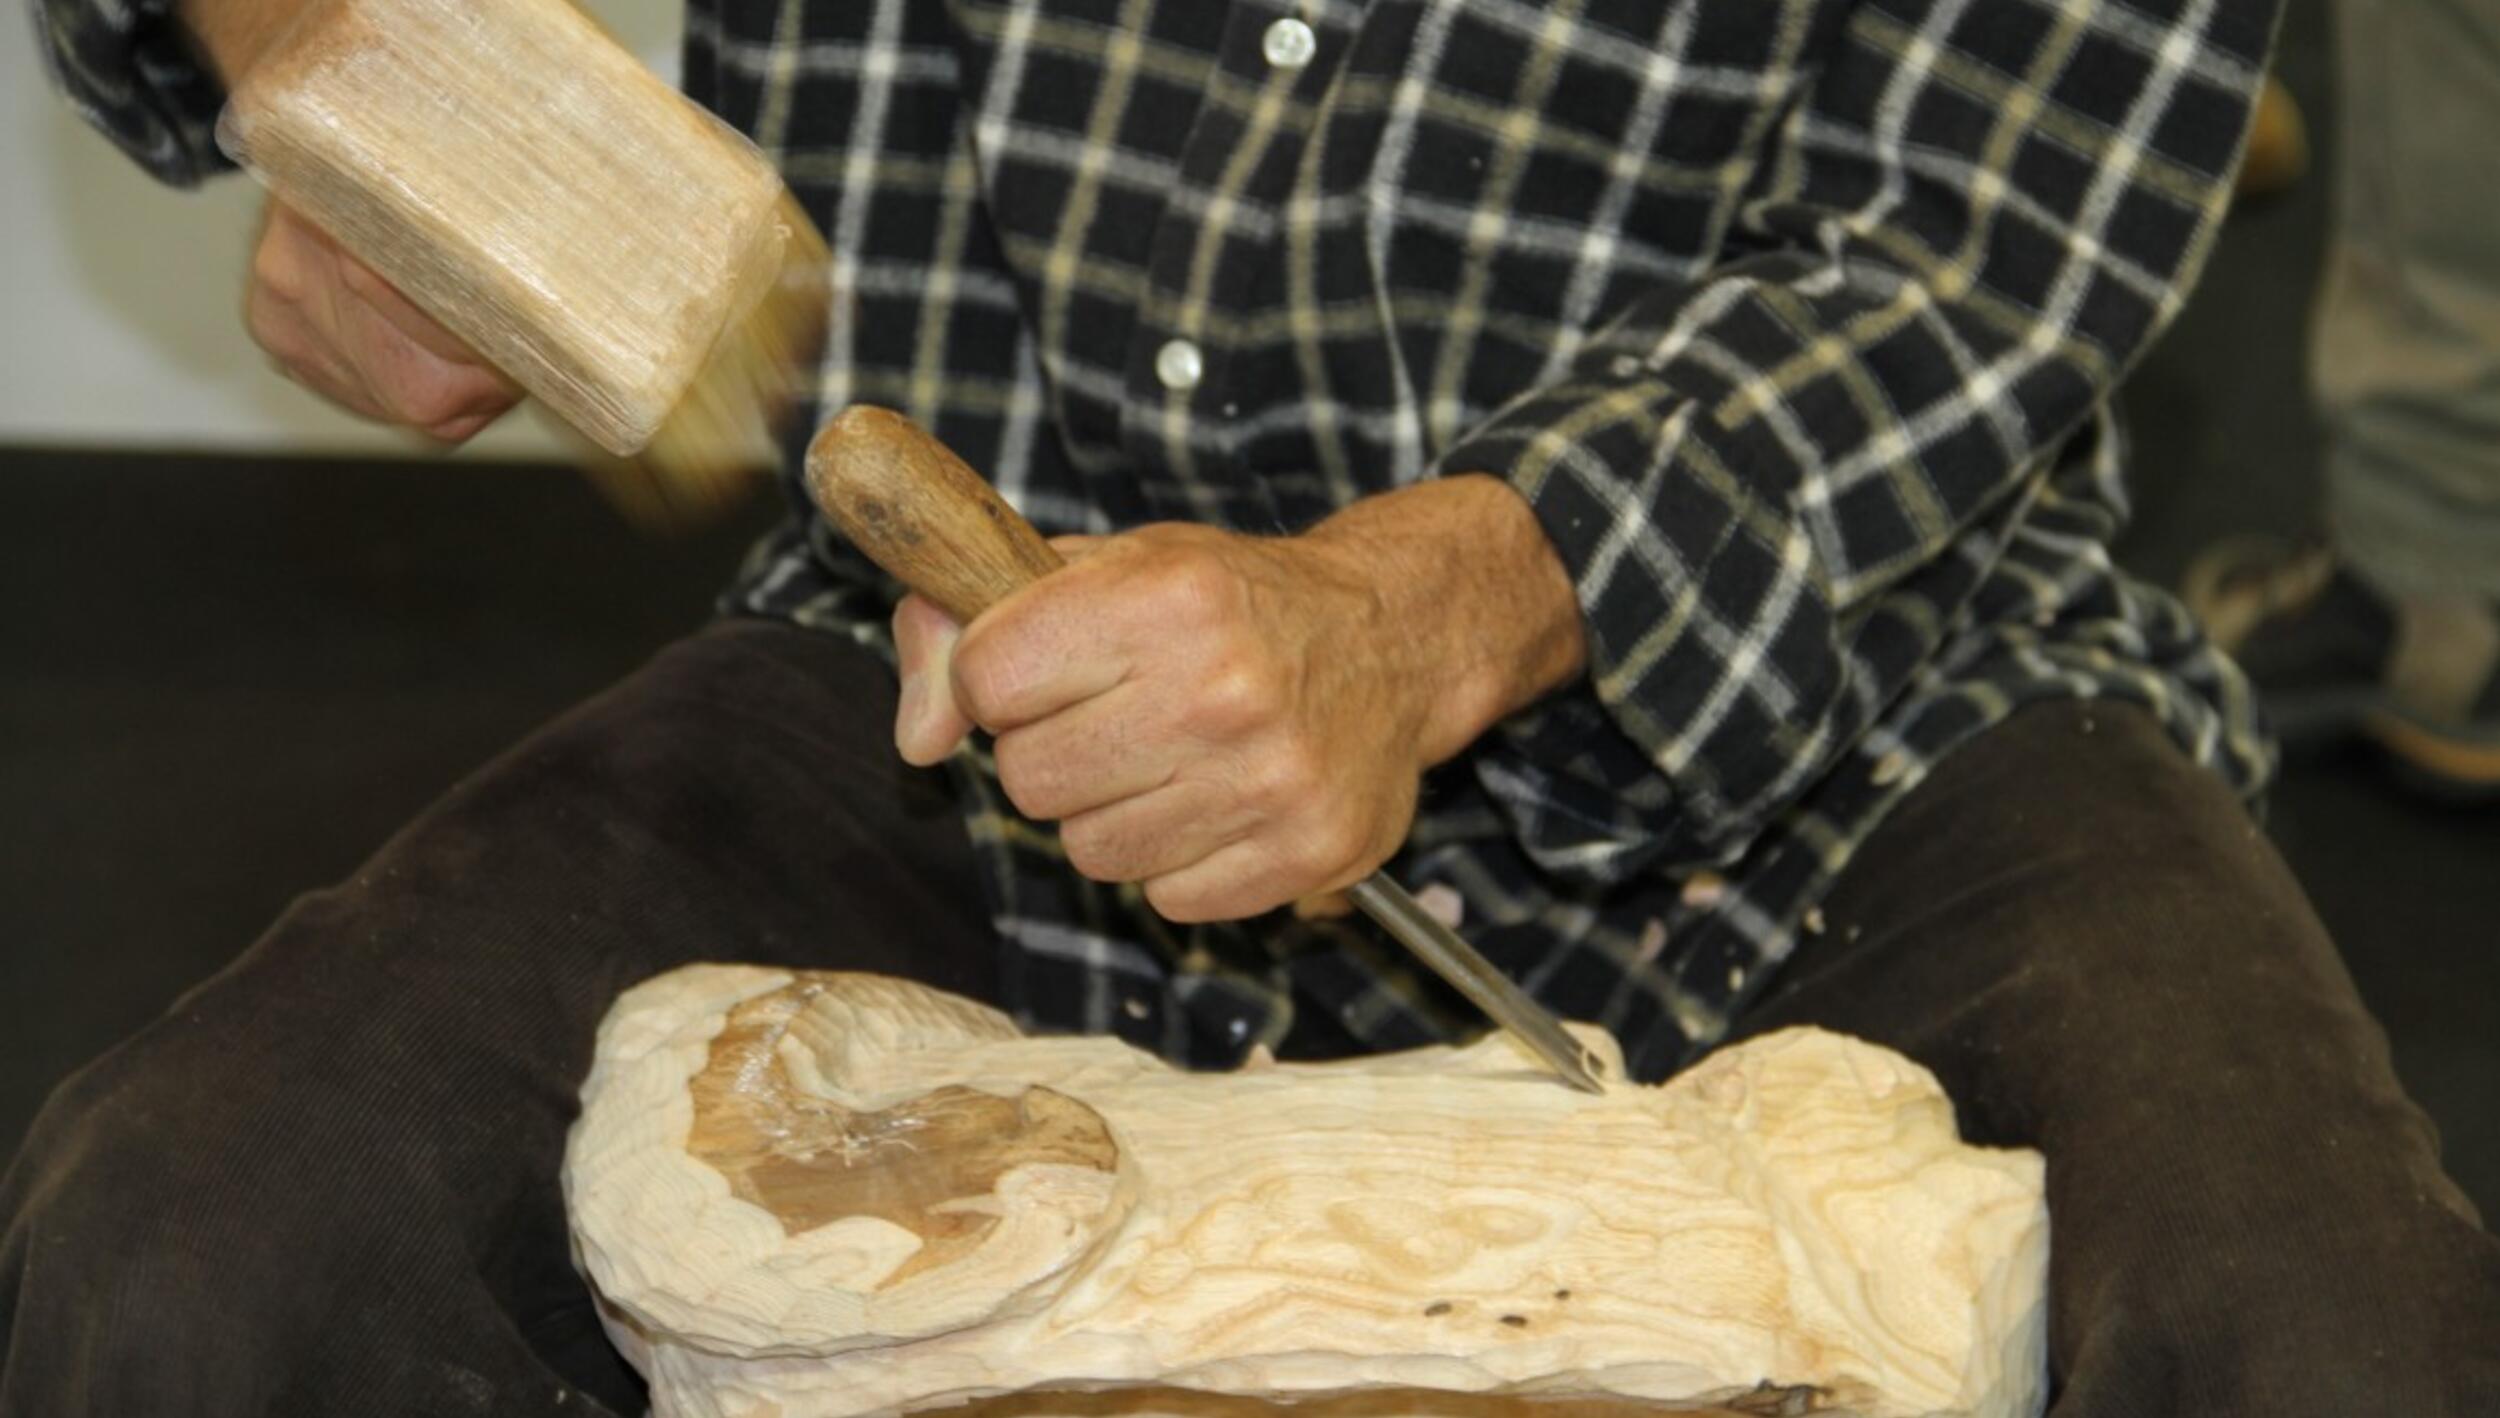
913, 507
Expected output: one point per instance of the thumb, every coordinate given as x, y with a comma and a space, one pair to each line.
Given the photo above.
927, 723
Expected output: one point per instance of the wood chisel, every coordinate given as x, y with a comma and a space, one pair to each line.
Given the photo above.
936, 526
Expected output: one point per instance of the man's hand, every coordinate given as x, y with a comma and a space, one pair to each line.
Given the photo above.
328, 321
335, 327
1240, 722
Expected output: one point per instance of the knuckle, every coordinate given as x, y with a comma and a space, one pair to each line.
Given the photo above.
1286, 778
1192, 589
360, 280
981, 690
1239, 694
1333, 845
425, 391
1200, 580
276, 270
1094, 851
1178, 904
1028, 779
979, 677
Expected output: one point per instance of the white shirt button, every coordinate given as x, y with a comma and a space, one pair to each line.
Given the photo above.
1288, 44
1179, 365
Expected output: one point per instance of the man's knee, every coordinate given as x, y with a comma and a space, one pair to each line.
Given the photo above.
2380, 1328
156, 1241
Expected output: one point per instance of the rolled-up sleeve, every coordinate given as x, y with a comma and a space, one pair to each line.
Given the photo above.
1775, 487
129, 69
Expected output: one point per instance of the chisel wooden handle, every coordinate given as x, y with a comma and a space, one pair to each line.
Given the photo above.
908, 502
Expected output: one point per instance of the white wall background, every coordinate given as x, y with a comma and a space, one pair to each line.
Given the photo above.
120, 301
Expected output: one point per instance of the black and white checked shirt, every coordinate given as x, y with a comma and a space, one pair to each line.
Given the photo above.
1795, 322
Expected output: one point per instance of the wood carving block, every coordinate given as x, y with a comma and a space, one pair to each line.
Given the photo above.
823, 1194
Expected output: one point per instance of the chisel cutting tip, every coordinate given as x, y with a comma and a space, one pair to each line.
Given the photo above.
1448, 955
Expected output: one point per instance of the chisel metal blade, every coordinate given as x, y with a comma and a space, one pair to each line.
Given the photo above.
1453, 959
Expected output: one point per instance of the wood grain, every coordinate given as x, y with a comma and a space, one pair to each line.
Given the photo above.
908, 503
1793, 1222
925, 1165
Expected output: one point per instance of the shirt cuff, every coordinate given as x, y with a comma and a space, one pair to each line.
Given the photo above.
1582, 776
129, 69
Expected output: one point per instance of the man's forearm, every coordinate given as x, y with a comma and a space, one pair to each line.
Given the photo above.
1470, 593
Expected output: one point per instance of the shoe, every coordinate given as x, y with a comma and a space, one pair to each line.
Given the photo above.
2333, 659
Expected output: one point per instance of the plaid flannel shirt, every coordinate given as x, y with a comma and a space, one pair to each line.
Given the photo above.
1795, 322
